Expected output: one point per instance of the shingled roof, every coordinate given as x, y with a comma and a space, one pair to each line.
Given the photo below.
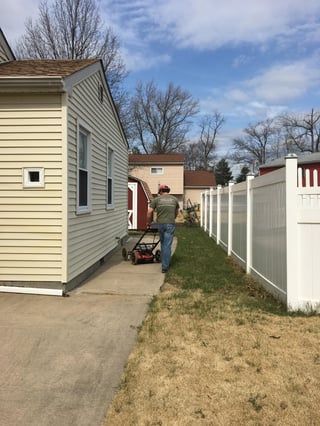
199, 179
44, 67
156, 159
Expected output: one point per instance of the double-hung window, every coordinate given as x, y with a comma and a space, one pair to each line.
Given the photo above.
84, 149
110, 179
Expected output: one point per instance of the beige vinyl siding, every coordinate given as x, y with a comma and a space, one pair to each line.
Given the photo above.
172, 176
30, 218
92, 235
194, 195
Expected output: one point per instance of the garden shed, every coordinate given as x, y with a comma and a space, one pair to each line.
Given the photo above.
306, 162
139, 196
63, 166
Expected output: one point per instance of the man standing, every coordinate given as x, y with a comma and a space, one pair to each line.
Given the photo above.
167, 208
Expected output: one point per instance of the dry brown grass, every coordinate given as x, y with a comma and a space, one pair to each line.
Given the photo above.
230, 366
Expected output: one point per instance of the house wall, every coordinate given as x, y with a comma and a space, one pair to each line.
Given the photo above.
172, 176
3, 56
194, 195
31, 218
92, 235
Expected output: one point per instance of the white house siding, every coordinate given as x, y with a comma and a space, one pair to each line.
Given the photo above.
30, 219
93, 235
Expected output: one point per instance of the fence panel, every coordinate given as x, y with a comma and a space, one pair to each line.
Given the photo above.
269, 231
271, 226
308, 242
224, 204
239, 223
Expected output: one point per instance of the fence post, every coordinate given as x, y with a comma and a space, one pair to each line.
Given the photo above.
292, 233
250, 177
210, 211
201, 209
205, 210
230, 217
218, 214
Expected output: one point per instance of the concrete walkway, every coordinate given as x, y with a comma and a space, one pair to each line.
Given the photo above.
62, 358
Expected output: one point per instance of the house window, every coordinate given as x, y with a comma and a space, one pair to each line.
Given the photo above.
110, 183
156, 170
84, 141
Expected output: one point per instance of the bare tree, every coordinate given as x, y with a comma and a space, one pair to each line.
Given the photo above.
192, 156
161, 120
259, 144
200, 155
210, 126
71, 29
302, 132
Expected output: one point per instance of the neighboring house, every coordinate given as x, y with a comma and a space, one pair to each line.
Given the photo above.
156, 169
6, 53
139, 196
64, 173
196, 182
168, 169
305, 162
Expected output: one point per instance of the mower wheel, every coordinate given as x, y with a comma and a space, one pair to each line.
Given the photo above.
124, 253
158, 256
135, 257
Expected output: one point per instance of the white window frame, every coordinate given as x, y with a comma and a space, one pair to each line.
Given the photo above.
27, 180
110, 178
82, 128
156, 170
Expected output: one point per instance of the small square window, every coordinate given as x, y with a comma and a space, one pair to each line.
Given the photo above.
33, 177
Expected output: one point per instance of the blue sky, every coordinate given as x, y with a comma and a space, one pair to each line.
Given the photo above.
247, 59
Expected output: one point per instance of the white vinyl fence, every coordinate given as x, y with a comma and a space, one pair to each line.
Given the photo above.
271, 226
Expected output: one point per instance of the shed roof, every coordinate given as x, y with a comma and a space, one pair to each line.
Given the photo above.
44, 67
144, 186
199, 179
156, 159
302, 159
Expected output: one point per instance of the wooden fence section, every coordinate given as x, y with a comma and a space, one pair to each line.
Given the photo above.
271, 226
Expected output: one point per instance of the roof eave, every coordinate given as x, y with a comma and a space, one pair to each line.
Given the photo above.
31, 85
156, 163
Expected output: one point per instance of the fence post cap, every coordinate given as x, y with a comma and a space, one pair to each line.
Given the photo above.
291, 155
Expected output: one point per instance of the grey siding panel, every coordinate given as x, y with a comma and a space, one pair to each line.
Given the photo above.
91, 236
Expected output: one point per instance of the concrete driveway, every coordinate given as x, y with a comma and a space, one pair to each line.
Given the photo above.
62, 357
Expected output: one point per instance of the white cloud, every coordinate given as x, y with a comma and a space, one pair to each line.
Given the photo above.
268, 93
206, 24
285, 82
143, 60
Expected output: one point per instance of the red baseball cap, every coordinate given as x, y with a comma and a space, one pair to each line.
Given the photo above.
164, 188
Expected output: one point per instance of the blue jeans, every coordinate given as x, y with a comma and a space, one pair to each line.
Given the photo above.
166, 231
